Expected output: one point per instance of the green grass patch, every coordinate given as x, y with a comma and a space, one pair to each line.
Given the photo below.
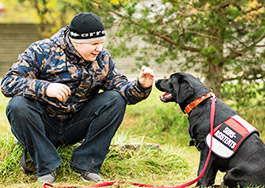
4, 125
10, 169
144, 163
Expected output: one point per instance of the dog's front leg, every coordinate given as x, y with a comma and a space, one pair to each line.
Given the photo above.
209, 175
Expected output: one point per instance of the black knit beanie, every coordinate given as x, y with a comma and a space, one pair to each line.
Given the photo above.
86, 27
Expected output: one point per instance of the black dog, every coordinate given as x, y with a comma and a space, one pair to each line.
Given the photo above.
244, 166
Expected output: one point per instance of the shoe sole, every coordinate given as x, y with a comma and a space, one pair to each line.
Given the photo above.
100, 181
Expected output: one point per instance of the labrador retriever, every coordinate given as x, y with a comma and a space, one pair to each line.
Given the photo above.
244, 166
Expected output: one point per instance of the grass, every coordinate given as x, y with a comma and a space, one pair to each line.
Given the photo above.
4, 125
141, 164
150, 121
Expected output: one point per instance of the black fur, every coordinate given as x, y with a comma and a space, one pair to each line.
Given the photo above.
247, 166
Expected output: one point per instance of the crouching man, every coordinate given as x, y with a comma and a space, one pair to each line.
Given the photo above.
56, 101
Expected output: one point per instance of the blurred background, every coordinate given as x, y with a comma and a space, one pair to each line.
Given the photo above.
221, 42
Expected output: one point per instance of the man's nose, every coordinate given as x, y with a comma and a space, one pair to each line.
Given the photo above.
99, 47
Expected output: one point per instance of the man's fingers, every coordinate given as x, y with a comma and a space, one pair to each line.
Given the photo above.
143, 67
146, 76
63, 93
67, 90
146, 70
59, 96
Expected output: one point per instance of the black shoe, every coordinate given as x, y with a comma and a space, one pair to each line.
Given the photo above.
89, 176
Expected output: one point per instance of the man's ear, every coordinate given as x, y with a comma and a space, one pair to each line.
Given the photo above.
185, 91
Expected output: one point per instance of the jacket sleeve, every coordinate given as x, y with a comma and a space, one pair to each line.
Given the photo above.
22, 77
132, 91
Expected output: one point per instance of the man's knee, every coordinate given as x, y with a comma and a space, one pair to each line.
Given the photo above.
119, 100
110, 104
16, 104
19, 106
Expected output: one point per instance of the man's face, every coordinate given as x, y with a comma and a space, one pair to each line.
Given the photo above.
89, 51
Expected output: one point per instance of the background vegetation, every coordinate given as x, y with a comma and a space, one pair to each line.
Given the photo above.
221, 40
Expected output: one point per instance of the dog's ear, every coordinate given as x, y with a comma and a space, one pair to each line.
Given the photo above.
185, 91
182, 88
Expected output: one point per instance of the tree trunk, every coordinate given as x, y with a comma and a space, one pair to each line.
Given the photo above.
214, 77
215, 64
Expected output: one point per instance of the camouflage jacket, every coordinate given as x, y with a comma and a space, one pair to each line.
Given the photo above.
55, 60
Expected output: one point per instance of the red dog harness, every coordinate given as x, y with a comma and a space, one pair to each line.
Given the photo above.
229, 135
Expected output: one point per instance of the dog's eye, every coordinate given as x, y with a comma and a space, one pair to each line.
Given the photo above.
170, 85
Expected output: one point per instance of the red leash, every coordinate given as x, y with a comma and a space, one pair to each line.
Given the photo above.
213, 102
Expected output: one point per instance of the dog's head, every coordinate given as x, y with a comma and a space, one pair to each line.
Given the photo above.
181, 87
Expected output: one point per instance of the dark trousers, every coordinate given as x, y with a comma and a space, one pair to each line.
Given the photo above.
95, 125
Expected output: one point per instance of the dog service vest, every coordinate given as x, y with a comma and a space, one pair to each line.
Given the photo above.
229, 135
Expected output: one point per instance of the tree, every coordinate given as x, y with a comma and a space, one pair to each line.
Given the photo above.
52, 14
16, 12
221, 39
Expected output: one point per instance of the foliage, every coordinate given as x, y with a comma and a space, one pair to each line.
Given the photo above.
10, 152
143, 161
166, 123
4, 125
16, 12
222, 40
244, 94
52, 14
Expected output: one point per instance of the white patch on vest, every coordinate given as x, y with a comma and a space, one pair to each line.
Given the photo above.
243, 122
219, 148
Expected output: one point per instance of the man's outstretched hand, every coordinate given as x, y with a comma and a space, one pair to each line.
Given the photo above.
146, 77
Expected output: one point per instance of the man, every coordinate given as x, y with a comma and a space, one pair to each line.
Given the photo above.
55, 87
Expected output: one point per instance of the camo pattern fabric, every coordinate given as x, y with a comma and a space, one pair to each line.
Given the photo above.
55, 60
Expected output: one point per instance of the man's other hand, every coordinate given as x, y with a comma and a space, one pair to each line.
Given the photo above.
58, 90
